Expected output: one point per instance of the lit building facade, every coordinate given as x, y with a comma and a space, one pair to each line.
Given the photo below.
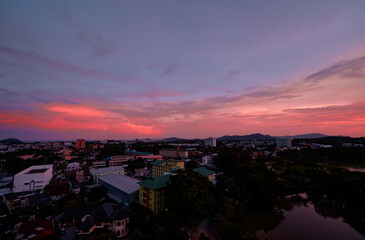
80, 143
34, 178
152, 193
160, 167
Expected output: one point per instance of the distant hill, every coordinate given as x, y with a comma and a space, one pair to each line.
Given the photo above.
10, 141
309, 135
173, 139
331, 140
256, 136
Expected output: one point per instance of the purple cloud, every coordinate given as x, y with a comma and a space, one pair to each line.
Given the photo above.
170, 69
34, 57
99, 46
230, 76
6, 92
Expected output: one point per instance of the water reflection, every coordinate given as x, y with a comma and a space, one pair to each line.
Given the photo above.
303, 219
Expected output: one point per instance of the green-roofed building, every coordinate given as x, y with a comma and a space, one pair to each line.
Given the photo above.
160, 167
152, 192
205, 172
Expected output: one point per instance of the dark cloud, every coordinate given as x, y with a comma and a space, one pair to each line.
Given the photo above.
170, 69
349, 68
98, 45
6, 92
230, 76
44, 61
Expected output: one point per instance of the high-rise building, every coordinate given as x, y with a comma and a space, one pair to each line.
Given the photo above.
80, 143
210, 142
283, 142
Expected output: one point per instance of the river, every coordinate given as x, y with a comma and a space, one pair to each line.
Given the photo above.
302, 222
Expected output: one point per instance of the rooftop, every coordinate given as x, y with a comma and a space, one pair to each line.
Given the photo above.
156, 182
126, 184
158, 163
107, 170
137, 152
36, 169
203, 171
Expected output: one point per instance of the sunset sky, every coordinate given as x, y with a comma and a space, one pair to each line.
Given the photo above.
155, 69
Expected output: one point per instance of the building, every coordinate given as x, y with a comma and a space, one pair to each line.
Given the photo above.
206, 173
283, 142
97, 173
34, 178
111, 217
152, 193
79, 176
119, 160
99, 164
173, 153
141, 172
210, 142
208, 159
137, 153
71, 167
120, 187
160, 167
80, 144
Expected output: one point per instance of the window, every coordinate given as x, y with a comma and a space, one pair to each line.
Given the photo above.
118, 233
26, 183
118, 223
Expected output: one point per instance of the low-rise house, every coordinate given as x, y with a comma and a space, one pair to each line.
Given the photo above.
35, 229
110, 217
69, 216
141, 172
71, 167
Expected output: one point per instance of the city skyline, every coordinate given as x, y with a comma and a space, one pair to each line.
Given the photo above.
126, 70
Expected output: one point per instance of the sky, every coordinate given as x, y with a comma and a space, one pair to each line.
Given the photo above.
190, 69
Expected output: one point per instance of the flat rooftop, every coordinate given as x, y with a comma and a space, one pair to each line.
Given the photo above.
37, 171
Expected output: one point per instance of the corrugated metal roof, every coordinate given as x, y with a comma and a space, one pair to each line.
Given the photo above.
124, 183
106, 170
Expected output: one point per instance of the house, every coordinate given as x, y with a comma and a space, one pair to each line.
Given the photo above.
35, 229
69, 216
71, 167
206, 173
141, 172
160, 167
34, 178
109, 217
120, 187
152, 193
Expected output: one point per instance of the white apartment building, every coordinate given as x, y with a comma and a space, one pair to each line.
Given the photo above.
283, 142
33, 178
210, 142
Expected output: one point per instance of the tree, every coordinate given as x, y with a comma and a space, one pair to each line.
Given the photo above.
190, 196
